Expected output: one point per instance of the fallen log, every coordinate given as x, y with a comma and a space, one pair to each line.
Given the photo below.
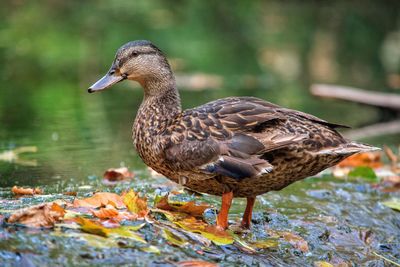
385, 100
374, 130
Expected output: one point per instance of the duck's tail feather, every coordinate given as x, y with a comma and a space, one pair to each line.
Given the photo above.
349, 149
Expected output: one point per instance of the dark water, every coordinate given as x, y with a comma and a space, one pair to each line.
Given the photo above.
271, 50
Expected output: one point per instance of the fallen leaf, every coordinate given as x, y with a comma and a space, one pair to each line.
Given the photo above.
26, 191
106, 213
99, 200
295, 240
151, 249
173, 239
43, 215
93, 227
196, 263
117, 174
136, 204
185, 207
393, 204
322, 264
365, 173
263, 244
70, 193
194, 225
92, 240
367, 159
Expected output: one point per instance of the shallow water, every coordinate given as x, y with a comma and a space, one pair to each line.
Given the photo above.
268, 49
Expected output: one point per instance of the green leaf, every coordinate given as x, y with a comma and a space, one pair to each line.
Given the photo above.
393, 204
365, 173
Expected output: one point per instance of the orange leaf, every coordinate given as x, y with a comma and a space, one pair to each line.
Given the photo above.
189, 207
106, 213
136, 204
368, 159
117, 174
26, 191
196, 263
99, 200
43, 215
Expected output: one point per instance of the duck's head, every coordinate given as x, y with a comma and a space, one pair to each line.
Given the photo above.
139, 61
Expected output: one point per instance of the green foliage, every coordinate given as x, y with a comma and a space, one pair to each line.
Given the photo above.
365, 173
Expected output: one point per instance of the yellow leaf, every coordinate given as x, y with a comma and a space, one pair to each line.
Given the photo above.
322, 264
136, 204
194, 225
151, 249
393, 204
173, 239
92, 227
268, 243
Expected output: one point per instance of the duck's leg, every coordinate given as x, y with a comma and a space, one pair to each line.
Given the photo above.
222, 218
246, 220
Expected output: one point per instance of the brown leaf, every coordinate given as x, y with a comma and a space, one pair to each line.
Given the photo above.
43, 215
70, 193
26, 191
100, 200
117, 174
185, 207
196, 263
368, 159
295, 240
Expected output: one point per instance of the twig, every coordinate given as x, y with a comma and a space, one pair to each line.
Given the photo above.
386, 259
386, 100
391, 127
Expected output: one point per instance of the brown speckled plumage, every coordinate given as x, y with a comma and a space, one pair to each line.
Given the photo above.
243, 145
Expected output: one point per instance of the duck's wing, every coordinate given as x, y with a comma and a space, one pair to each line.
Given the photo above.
218, 138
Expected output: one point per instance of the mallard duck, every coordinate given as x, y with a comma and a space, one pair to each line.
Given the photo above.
230, 147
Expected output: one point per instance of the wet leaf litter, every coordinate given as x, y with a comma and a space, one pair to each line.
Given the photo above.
138, 220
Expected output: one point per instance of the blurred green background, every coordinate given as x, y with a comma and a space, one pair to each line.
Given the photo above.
52, 50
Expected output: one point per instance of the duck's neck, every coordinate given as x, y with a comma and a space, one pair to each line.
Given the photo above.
160, 106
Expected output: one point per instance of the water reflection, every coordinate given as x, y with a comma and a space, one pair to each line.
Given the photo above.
270, 50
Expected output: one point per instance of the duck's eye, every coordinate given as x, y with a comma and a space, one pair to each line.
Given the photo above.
135, 54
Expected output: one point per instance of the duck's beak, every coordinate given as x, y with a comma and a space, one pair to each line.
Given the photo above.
105, 82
